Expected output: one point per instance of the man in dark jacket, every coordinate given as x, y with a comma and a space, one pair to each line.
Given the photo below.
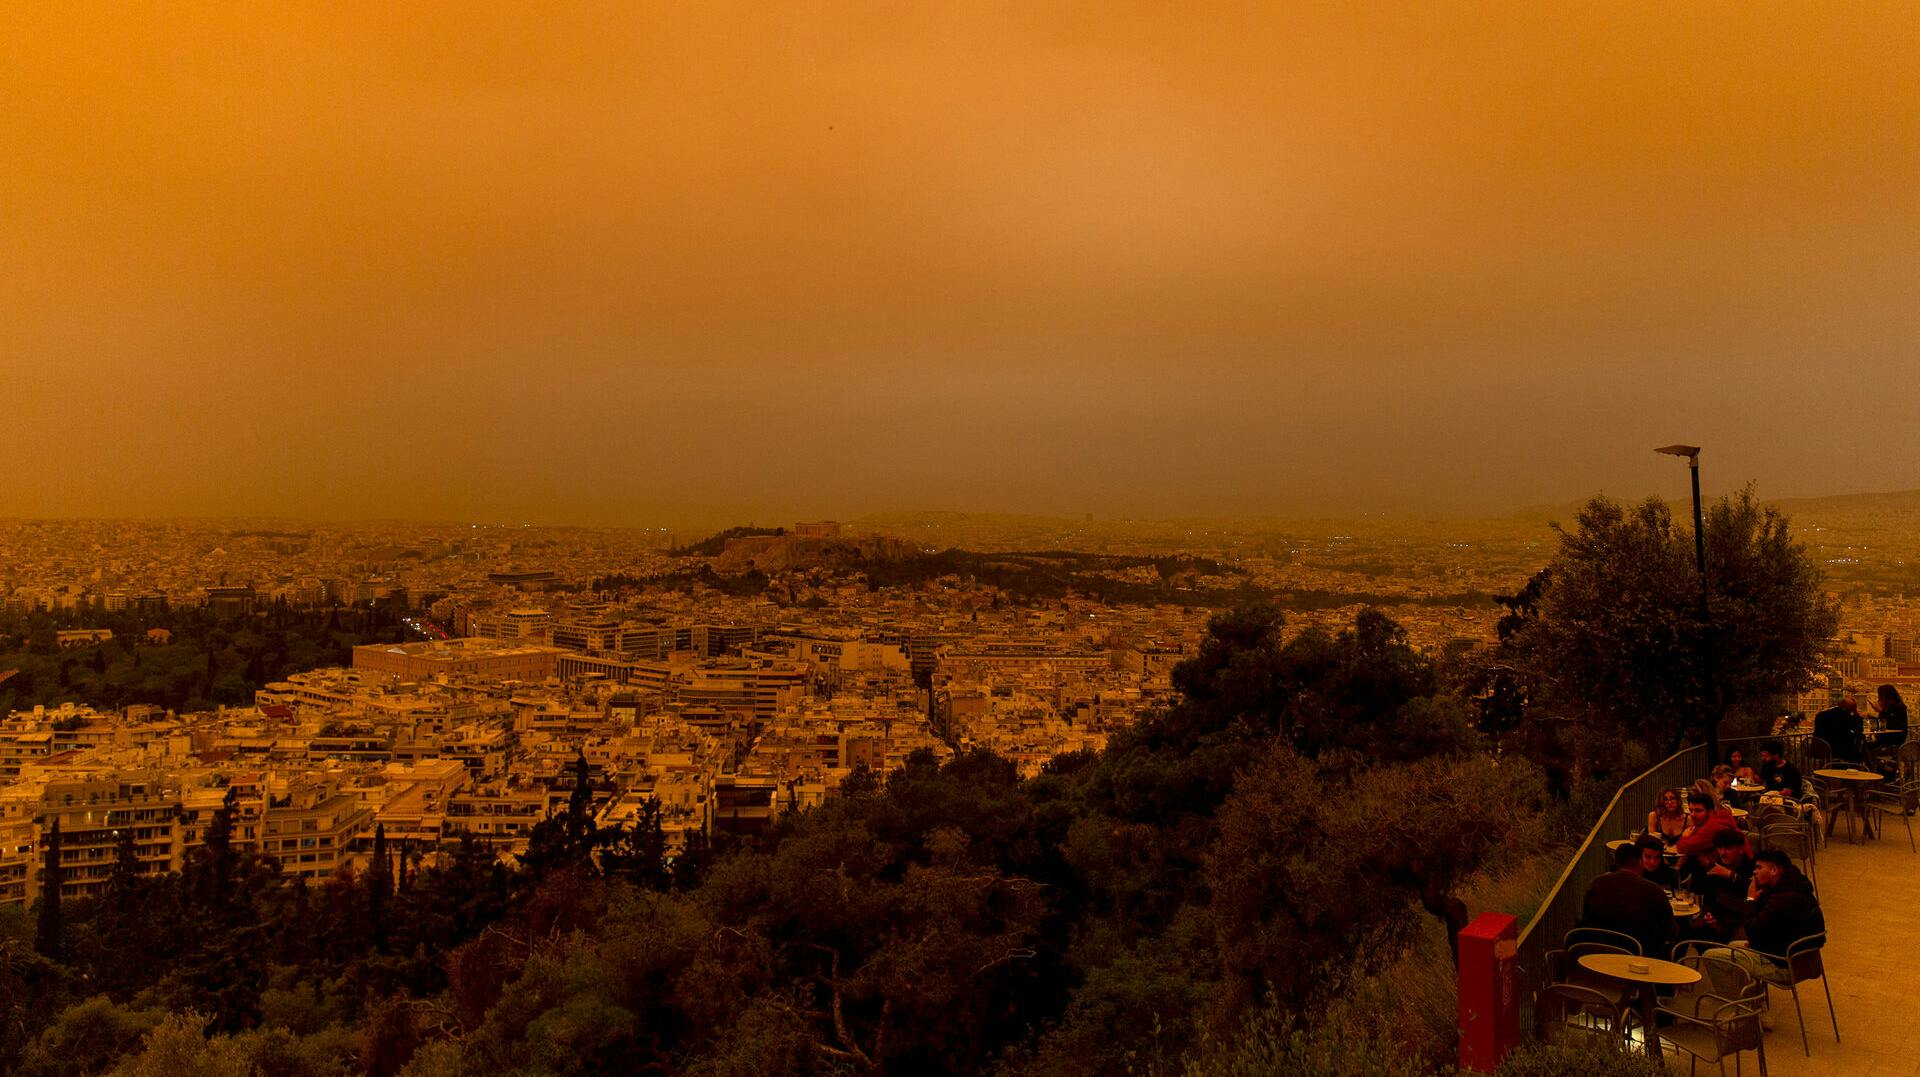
1622, 901
1840, 726
1780, 910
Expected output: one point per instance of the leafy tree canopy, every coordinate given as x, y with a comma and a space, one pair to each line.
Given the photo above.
1613, 631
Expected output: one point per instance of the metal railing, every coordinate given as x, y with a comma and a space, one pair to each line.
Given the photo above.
1559, 911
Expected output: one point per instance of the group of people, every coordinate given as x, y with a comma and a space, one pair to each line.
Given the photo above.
1762, 896
1673, 821
1843, 726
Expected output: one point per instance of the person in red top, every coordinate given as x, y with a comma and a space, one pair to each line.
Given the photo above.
1698, 844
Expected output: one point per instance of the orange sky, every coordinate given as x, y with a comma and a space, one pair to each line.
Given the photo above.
638, 263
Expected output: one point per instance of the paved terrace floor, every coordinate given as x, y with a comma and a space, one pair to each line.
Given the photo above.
1870, 894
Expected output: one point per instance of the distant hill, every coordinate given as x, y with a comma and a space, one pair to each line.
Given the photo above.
788, 553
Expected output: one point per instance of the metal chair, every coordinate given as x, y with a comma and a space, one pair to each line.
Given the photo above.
1802, 962
1718, 1016
1901, 800
1617, 940
1908, 757
1595, 940
1795, 838
1818, 754
1573, 1014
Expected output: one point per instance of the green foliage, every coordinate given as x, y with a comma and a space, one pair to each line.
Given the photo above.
1312, 866
1338, 1040
178, 1045
1560, 1060
208, 660
712, 545
1612, 633
87, 1037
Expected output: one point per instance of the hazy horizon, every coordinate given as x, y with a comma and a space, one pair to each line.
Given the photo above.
1557, 509
781, 263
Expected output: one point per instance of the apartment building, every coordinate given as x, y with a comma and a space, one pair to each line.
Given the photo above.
311, 830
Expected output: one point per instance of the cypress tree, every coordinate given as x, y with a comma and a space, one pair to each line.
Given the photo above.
379, 886
46, 938
580, 810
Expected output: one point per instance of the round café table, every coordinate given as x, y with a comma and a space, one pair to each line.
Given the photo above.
1658, 974
1853, 782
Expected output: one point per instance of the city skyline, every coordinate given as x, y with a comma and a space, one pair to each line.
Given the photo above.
705, 265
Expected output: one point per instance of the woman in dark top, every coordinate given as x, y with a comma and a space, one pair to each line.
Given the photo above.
1893, 716
1668, 820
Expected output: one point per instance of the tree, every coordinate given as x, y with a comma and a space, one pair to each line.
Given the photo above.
379, 886
565, 840
46, 936
1613, 632
638, 852
217, 855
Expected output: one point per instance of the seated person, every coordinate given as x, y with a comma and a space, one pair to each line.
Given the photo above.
1723, 786
1737, 759
1668, 819
1722, 887
1775, 772
1697, 846
1780, 909
1893, 717
1840, 726
1622, 901
1653, 863
1708, 788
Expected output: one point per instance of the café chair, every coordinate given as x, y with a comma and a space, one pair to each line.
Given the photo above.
1809, 809
1618, 941
1802, 962
1908, 757
1795, 838
1901, 800
1718, 1016
1818, 755
1577, 1015
1595, 940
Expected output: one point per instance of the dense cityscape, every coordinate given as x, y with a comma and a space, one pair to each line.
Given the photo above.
731, 680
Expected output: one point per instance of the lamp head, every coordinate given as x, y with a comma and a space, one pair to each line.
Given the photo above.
1691, 452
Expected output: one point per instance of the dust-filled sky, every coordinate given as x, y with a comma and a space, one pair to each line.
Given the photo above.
711, 261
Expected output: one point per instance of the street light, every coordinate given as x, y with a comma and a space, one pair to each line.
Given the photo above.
1692, 453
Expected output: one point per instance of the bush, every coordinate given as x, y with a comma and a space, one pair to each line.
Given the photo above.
1344, 1040
1560, 1060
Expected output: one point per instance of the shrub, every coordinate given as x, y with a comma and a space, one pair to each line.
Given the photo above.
1561, 1060
1343, 1040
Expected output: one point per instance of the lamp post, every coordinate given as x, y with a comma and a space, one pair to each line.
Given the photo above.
1692, 453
